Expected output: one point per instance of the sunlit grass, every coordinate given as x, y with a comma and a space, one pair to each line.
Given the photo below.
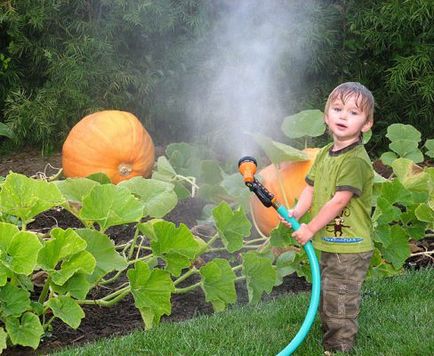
397, 319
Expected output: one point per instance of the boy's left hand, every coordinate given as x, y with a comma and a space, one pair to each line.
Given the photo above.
303, 234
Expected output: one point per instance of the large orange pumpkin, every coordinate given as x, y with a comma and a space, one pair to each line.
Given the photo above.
293, 176
111, 142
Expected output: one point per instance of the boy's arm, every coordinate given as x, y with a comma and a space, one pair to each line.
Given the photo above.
328, 212
304, 202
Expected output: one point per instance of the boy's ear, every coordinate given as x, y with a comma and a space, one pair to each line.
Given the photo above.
367, 126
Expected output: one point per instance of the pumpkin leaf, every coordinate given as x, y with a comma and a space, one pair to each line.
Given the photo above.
82, 262
26, 197
18, 250
3, 338
109, 205
281, 237
158, 197
13, 300
77, 286
232, 226
260, 275
25, 331
284, 265
429, 145
395, 248
66, 309
218, 283
388, 157
64, 243
75, 189
99, 177
425, 213
175, 245
151, 291
305, 123
278, 152
411, 176
399, 132
103, 249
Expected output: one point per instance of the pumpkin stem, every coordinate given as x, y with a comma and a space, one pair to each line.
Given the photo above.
125, 169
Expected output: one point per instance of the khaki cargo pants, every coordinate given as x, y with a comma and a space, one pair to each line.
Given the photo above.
342, 276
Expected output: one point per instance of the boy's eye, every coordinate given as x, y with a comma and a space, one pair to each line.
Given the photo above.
354, 112
336, 108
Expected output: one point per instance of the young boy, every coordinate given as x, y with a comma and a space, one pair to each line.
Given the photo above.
339, 195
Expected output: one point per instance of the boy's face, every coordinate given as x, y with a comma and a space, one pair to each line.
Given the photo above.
346, 120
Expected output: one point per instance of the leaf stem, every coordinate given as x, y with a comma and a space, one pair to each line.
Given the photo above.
45, 290
133, 243
187, 289
185, 276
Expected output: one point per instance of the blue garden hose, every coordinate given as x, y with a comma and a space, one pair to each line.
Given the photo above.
316, 287
247, 167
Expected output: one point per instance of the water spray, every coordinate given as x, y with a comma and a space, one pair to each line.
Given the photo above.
247, 167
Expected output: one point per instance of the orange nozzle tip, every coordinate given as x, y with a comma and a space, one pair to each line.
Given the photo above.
248, 170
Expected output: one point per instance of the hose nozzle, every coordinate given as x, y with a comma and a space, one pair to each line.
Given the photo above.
247, 167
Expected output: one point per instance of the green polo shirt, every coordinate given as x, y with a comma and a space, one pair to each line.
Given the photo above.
347, 169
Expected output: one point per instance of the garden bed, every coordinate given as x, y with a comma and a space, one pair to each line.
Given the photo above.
124, 316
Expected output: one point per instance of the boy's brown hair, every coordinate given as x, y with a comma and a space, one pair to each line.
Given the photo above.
348, 89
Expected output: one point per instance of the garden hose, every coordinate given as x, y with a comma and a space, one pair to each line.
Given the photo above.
247, 168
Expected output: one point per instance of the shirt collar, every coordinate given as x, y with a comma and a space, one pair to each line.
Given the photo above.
345, 149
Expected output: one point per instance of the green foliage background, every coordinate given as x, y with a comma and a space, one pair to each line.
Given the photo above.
60, 60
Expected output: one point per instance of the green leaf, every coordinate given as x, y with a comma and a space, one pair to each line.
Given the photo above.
385, 212
285, 265
75, 189
164, 170
151, 291
77, 286
218, 283
109, 205
66, 309
104, 251
395, 192
64, 243
397, 250
158, 197
425, 213
411, 176
278, 152
388, 157
14, 301
232, 226
398, 132
18, 249
211, 172
82, 262
429, 145
260, 275
3, 338
407, 149
26, 331
281, 237
177, 246
26, 197
100, 178
5, 131
305, 123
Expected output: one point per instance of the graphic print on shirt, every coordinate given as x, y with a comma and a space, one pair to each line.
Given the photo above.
336, 227
338, 224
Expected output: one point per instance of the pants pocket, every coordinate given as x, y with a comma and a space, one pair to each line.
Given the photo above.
341, 298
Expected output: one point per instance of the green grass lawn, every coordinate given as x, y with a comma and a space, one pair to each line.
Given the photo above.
397, 318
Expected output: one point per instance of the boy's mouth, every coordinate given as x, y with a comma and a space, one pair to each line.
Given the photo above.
341, 126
